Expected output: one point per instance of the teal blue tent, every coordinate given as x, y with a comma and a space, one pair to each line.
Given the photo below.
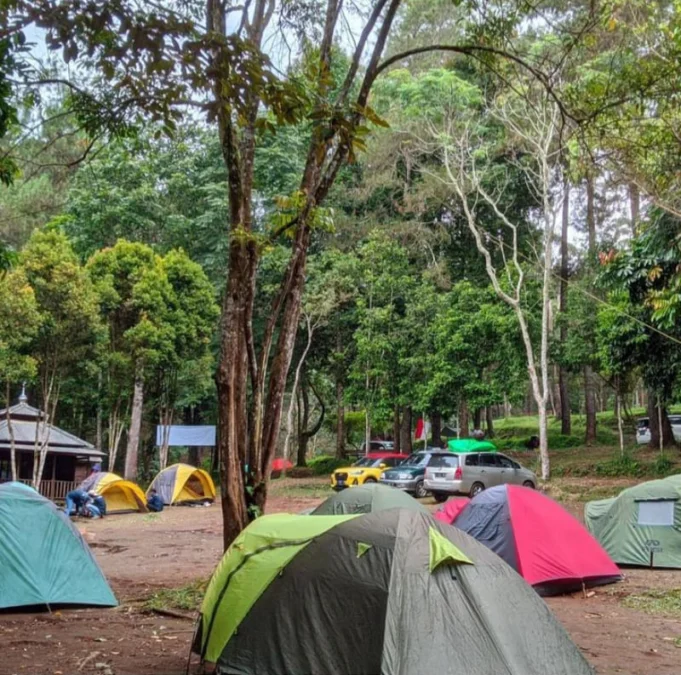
44, 560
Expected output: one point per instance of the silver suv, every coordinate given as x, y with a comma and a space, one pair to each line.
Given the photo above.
472, 472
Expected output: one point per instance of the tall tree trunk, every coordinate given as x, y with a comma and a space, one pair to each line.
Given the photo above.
304, 417
436, 429
477, 418
340, 424
507, 407
305, 434
663, 438
490, 422
563, 376
589, 380
99, 441
589, 405
397, 427
294, 388
635, 207
131, 453
618, 412
406, 442
464, 422
10, 431
591, 214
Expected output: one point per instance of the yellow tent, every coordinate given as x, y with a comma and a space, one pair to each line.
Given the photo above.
120, 495
183, 483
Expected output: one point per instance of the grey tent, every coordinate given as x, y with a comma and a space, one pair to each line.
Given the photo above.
367, 498
392, 593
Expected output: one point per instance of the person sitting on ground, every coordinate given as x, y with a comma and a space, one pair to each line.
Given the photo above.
75, 501
154, 503
98, 502
90, 510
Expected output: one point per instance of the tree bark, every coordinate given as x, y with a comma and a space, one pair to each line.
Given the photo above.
305, 434
589, 406
507, 407
303, 417
131, 453
406, 442
658, 440
397, 427
477, 418
635, 207
340, 412
563, 376
436, 429
490, 422
464, 422
591, 214
99, 436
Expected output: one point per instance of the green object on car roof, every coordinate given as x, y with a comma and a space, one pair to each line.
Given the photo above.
470, 445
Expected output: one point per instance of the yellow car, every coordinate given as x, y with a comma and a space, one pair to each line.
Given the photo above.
367, 470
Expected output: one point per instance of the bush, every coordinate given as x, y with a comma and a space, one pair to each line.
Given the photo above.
662, 466
323, 465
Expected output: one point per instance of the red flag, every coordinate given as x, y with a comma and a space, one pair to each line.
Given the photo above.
422, 430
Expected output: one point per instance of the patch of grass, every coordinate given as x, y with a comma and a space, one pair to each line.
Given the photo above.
186, 598
299, 488
656, 602
150, 517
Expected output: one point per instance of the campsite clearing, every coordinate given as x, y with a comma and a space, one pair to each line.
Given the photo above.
141, 555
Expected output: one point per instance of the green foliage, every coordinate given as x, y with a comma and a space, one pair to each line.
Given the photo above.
67, 302
659, 602
164, 193
187, 598
20, 321
324, 465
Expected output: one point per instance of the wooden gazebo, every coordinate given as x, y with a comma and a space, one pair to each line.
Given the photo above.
69, 458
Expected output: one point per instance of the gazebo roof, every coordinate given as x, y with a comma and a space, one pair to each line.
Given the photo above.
25, 420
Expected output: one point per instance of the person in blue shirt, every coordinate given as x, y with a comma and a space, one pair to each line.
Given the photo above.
154, 503
75, 501
98, 502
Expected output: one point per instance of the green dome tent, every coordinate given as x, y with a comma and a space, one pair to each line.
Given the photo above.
392, 592
43, 558
367, 498
642, 525
470, 445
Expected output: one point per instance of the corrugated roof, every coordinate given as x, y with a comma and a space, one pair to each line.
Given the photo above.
58, 440
25, 419
22, 409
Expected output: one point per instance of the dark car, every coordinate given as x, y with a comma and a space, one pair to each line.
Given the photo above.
378, 446
409, 475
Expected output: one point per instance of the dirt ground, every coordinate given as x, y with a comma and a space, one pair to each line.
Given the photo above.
141, 554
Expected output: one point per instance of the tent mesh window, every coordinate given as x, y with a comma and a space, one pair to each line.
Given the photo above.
656, 513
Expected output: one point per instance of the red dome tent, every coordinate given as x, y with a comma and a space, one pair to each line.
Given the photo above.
449, 511
547, 546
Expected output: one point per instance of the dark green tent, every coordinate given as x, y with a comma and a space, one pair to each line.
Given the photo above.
367, 498
392, 593
43, 558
